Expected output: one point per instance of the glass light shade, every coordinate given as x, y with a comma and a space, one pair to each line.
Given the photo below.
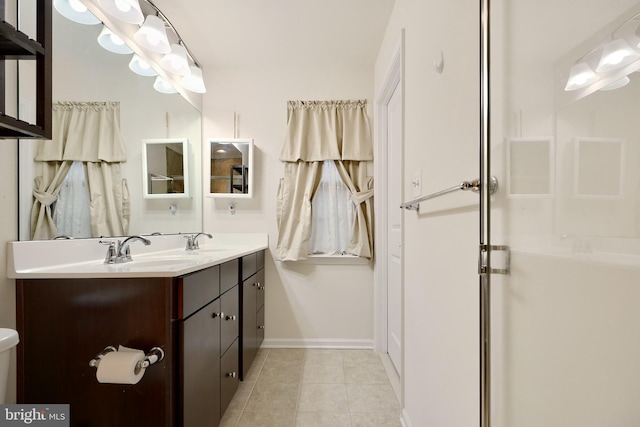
193, 81
161, 85
153, 35
75, 11
176, 60
617, 84
581, 75
616, 54
125, 10
141, 67
110, 41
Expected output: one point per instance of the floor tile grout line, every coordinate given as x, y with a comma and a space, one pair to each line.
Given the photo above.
252, 387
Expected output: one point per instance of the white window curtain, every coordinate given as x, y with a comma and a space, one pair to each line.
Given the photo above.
87, 132
71, 210
333, 214
318, 131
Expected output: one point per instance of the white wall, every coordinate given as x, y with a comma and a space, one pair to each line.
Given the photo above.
306, 304
440, 244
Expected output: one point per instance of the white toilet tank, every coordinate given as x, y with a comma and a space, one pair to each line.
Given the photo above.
8, 340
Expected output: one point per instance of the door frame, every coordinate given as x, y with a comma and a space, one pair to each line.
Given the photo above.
394, 77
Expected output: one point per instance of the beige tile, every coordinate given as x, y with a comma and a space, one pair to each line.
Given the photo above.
286, 354
323, 398
230, 418
322, 419
267, 419
281, 371
323, 373
365, 373
323, 356
359, 356
273, 397
254, 371
376, 419
241, 397
371, 398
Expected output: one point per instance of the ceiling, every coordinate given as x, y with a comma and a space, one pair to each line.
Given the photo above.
235, 33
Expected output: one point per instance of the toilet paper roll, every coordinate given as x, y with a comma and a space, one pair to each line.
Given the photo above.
119, 367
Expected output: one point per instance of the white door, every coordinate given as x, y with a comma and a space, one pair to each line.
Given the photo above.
394, 228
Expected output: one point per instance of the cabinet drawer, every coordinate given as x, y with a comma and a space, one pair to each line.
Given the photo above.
229, 275
249, 263
260, 260
198, 289
229, 376
231, 319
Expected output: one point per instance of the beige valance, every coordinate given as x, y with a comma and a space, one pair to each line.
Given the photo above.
327, 130
84, 131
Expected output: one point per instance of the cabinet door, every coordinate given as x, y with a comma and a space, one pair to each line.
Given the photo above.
231, 319
200, 367
229, 375
260, 289
249, 322
260, 323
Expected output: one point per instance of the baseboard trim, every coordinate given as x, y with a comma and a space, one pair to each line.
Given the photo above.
404, 419
318, 343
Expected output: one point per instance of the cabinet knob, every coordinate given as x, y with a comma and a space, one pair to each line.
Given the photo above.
259, 285
216, 315
231, 374
232, 317
260, 326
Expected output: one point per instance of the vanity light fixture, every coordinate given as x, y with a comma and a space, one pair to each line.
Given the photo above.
153, 35
194, 81
125, 10
141, 67
75, 11
156, 50
176, 61
580, 75
617, 84
162, 86
616, 54
110, 41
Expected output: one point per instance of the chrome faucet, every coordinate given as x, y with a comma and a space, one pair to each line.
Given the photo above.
121, 253
192, 241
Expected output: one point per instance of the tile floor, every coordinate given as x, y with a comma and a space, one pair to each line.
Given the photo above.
314, 388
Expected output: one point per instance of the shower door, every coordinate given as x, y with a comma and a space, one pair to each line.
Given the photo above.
564, 142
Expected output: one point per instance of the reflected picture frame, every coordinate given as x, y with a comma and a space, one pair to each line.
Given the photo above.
165, 168
598, 167
531, 167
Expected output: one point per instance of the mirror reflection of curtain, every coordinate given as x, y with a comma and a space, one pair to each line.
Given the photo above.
71, 210
318, 131
88, 132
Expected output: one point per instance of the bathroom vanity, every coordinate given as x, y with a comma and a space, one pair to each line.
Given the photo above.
205, 311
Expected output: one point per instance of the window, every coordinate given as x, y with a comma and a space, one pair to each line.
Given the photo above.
332, 214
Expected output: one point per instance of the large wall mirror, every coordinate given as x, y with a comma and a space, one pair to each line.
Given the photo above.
84, 71
229, 168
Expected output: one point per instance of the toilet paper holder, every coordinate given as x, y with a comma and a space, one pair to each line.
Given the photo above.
154, 355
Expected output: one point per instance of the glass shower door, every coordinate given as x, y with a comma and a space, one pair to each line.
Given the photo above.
565, 146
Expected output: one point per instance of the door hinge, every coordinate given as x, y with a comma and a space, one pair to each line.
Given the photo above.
483, 256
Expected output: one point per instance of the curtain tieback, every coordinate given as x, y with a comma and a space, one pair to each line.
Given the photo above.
361, 196
44, 197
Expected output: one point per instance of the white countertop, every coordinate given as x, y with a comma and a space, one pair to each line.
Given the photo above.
164, 257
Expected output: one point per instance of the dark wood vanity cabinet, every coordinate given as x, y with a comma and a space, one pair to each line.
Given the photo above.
196, 319
252, 313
